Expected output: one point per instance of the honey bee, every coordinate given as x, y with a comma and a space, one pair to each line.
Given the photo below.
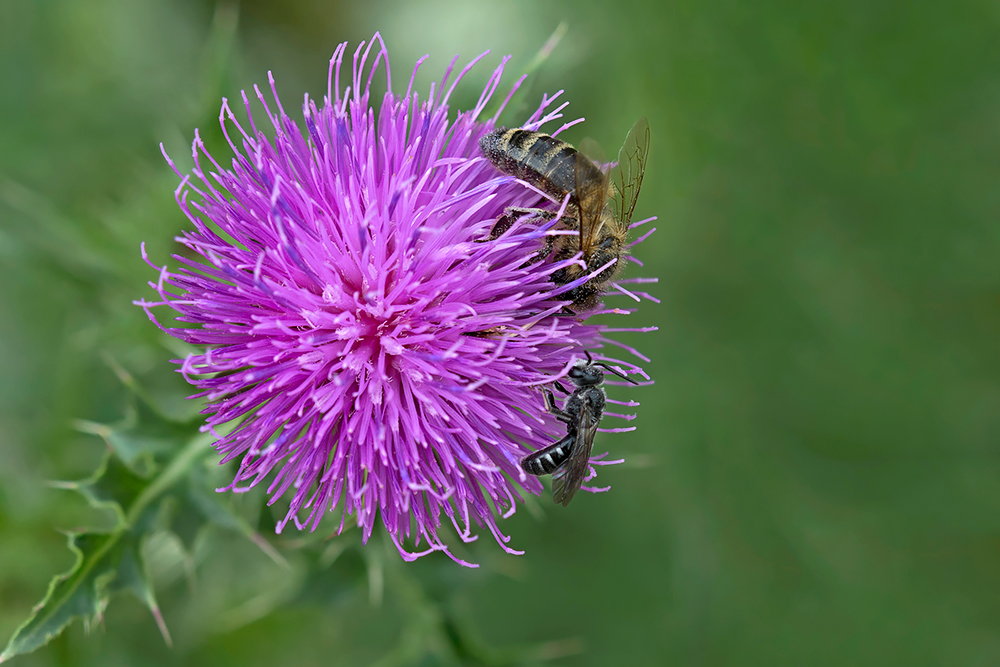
568, 460
600, 206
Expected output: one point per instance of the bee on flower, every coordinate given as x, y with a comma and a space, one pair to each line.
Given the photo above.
373, 359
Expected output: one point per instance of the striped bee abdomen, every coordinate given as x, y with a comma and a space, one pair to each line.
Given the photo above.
546, 162
548, 459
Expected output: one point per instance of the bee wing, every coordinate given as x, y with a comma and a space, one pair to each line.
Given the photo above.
631, 167
593, 151
591, 187
568, 479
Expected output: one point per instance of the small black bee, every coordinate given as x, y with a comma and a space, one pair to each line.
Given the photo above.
568, 459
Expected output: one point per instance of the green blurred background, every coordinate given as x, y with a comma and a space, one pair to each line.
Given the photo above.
815, 479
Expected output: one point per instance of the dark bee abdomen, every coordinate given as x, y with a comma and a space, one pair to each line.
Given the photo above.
546, 162
546, 461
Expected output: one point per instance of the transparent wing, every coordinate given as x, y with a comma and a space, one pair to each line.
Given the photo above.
591, 194
592, 150
568, 479
631, 168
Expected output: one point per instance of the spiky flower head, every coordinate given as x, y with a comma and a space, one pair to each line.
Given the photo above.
375, 356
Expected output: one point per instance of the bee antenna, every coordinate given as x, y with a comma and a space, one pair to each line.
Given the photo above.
590, 359
616, 372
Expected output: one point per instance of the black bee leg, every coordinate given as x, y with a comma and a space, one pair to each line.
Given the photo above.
542, 213
541, 254
503, 223
510, 216
561, 388
550, 244
550, 404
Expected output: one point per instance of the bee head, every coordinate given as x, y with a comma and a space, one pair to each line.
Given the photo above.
589, 374
586, 373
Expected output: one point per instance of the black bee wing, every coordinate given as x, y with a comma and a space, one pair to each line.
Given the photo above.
591, 188
548, 459
631, 167
568, 479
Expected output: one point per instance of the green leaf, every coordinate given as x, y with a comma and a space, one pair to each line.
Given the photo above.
147, 434
80, 592
132, 574
144, 437
107, 563
113, 486
200, 505
156, 475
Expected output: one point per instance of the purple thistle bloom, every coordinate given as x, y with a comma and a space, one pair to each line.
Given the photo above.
366, 346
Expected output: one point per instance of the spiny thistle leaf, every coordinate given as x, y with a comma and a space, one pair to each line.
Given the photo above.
80, 592
106, 562
143, 439
152, 460
147, 434
199, 505
113, 486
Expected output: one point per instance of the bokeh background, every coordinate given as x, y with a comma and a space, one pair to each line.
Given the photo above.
815, 478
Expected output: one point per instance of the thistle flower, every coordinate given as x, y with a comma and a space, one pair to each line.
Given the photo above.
373, 355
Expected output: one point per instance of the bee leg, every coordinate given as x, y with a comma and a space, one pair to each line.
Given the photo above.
549, 249
542, 213
550, 404
510, 216
560, 387
541, 254
503, 223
